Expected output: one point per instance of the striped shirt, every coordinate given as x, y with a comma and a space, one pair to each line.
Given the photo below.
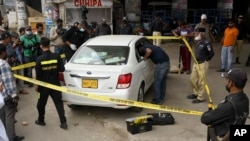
8, 80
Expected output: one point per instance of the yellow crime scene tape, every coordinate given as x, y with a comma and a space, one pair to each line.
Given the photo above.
109, 99
116, 100
31, 64
23, 66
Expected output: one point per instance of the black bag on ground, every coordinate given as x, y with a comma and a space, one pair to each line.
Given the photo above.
161, 118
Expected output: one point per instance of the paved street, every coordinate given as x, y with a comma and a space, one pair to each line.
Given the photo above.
106, 124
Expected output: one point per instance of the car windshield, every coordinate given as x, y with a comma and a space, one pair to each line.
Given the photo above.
101, 55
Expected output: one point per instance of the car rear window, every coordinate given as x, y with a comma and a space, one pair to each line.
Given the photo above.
101, 55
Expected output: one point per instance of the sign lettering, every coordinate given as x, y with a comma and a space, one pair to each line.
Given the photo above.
88, 3
240, 132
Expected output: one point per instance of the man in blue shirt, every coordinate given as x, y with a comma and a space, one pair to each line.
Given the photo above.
162, 66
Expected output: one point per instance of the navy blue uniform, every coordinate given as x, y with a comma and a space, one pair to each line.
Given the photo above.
204, 51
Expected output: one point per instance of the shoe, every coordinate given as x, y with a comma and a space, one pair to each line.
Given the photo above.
188, 72
18, 138
192, 96
247, 64
64, 125
23, 92
154, 101
221, 70
181, 71
237, 60
197, 101
41, 123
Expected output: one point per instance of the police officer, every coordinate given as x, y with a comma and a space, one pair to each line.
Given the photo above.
125, 28
203, 53
48, 66
103, 28
74, 38
231, 111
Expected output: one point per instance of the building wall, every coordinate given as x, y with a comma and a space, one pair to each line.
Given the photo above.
202, 4
96, 12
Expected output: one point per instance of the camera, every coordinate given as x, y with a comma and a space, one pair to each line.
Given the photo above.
9, 102
33, 48
59, 31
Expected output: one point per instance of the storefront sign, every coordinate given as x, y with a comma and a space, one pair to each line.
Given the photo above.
88, 3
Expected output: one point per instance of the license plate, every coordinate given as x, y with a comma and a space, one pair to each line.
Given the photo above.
89, 83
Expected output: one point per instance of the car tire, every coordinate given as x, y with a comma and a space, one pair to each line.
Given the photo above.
140, 98
74, 107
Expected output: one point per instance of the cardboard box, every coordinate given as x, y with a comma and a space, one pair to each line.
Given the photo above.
32, 21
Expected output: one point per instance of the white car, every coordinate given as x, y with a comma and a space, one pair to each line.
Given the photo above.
111, 66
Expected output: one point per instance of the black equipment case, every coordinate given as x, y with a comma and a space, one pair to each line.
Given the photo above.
161, 118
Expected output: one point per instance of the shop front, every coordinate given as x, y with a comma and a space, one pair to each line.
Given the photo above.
95, 11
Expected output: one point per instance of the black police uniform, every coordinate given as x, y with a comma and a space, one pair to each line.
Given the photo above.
74, 36
48, 66
224, 115
204, 51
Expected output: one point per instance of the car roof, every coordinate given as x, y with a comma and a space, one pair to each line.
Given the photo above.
118, 40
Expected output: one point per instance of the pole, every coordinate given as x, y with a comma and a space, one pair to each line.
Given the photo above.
21, 14
210, 107
179, 63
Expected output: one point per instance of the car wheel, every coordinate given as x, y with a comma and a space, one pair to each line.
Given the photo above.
73, 107
140, 98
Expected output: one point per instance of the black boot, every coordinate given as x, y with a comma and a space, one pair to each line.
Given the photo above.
237, 60
18, 138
